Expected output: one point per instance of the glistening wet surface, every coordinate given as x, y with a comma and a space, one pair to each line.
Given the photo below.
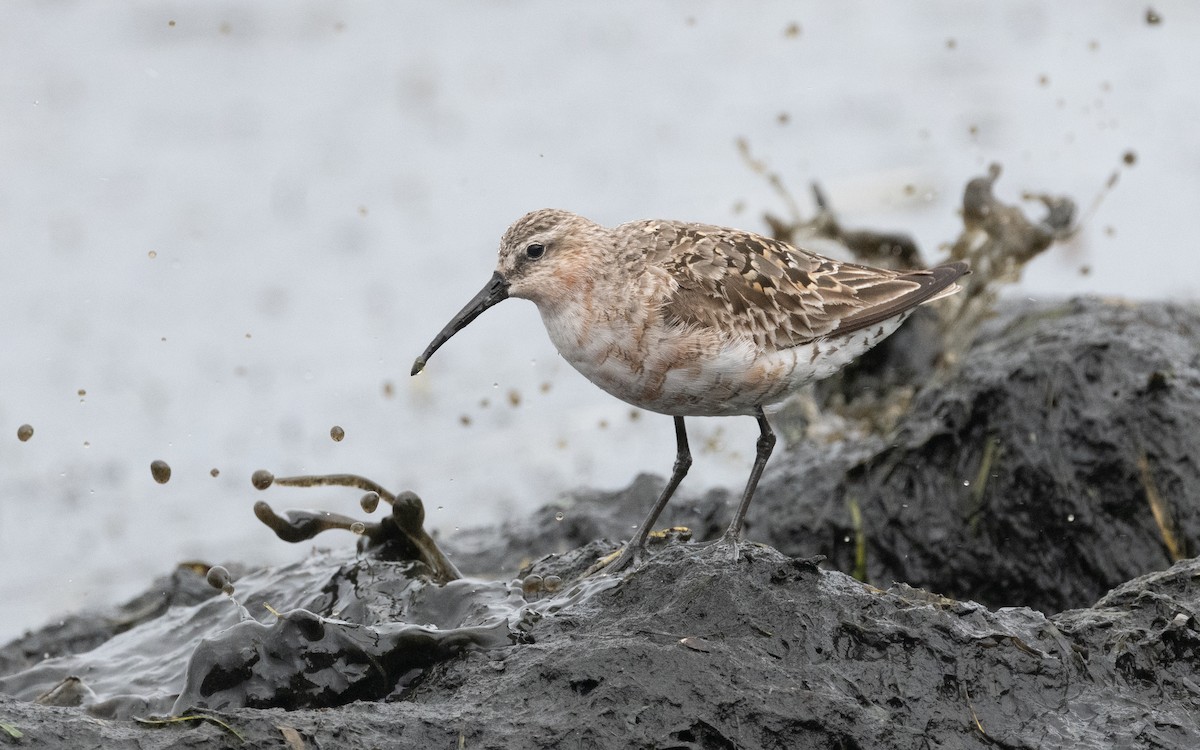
335, 627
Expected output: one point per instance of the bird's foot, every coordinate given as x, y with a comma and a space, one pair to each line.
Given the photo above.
631, 555
628, 557
731, 541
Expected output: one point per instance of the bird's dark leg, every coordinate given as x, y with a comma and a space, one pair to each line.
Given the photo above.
637, 545
766, 443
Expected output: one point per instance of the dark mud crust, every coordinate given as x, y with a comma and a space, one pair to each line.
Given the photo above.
1063, 460
695, 652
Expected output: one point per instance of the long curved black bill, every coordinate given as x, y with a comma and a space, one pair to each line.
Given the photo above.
496, 290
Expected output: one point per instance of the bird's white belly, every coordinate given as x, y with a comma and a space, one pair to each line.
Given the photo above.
684, 372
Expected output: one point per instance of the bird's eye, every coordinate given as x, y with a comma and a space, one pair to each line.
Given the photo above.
535, 251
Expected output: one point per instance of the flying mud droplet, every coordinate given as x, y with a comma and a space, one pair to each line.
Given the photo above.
161, 471
214, 472
337, 433
551, 584
24, 432
262, 479
369, 502
559, 516
153, 254
358, 527
218, 577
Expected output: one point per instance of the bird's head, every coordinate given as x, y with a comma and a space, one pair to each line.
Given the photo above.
544, 257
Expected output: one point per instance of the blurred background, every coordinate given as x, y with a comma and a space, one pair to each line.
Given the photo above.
226, 228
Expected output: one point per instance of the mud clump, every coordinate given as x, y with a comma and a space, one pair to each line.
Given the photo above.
1060, 462
161, 471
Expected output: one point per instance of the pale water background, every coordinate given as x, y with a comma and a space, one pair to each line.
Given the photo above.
232, 224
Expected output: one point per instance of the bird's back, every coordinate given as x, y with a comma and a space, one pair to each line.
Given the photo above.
778, 295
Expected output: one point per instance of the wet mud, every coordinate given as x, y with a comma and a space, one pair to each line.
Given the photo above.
1061, 460
692, 650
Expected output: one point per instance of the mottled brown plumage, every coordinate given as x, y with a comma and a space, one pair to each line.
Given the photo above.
727, 277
